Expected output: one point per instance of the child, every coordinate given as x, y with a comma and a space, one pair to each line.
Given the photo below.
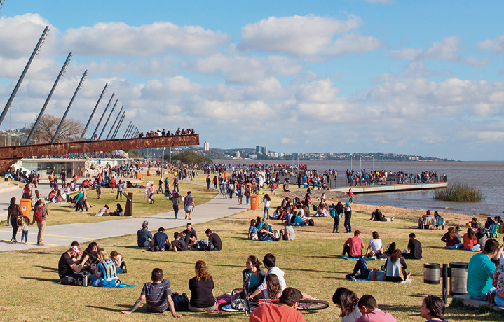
119, 263
103, 211
24, 229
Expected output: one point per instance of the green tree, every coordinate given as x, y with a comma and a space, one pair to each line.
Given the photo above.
189, 157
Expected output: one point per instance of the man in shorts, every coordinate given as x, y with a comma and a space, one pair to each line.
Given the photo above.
157, 294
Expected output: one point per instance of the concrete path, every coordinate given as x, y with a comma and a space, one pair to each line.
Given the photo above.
63, 235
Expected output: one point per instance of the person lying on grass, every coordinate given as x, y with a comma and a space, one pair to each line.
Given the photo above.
157, 294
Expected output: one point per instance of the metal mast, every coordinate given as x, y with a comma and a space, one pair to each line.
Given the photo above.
108, 118
69, 105
62, 71
35, 52
127, 129
94, 110
119, 125
115, 121
101, 118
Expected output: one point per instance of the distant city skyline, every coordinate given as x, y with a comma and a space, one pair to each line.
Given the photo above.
404, 77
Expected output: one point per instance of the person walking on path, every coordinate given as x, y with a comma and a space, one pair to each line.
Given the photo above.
350, 194
14, 214
188, 205
120, 187
39, 216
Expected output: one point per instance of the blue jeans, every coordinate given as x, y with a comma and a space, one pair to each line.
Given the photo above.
248, 199
361, 266
483, 297
24, 235
347, 225
499, 301
266, 212
176, 209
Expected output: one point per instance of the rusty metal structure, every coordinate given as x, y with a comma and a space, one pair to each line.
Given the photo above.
62, 71
23, 74
68, 108
94, 110
10, 154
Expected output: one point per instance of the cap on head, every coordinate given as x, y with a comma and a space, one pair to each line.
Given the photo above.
76, 249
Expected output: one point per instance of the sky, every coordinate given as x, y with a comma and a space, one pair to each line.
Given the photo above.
392, 76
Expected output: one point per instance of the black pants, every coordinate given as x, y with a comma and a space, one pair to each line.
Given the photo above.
336, 226
15, 228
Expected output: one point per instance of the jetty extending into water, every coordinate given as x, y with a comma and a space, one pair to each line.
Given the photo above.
393, 187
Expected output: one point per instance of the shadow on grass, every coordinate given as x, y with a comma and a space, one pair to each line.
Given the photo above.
54, 280
240, 238
335, 278
402, 308
178, 262
120, 307
439, 247
52, 269
326, 256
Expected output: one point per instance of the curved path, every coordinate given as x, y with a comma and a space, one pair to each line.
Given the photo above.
63, 235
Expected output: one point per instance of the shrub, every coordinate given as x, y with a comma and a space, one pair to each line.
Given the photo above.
459, 192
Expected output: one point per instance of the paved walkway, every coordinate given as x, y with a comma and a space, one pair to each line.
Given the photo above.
63, 235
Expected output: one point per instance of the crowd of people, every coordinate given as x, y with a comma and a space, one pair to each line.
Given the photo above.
153, 133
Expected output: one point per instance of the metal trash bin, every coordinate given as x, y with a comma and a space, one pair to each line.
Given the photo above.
432, 273
458, 278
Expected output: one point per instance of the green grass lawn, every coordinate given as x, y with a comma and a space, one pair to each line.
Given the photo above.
29, 280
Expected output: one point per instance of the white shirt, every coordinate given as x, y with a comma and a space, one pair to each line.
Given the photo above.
375, 244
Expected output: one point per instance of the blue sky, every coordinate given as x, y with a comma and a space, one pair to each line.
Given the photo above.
411, 77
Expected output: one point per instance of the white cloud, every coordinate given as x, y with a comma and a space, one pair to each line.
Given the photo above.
305, 35
120, 39
321, 91
245, 69
496, 44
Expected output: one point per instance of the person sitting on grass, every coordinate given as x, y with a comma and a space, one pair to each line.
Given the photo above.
433, 309
353, 246
144, 236
347, 301
253, 231
289, 231
214, 239
273, 288
362, 272
375, 247
120, 264
481, 270
157, 294
470, 241
105, 270
450, 238
269, 263
160, 240
190, 235
285, 311
90, 255
119, 211
395, 267
253, 275
370, 311
498, 282
201, 286
414, 247
68, 267
103, 211
178, 244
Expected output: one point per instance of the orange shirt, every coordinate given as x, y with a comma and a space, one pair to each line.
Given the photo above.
276, 313
469, 243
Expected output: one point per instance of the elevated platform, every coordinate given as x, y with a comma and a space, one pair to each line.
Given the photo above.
393, 187
10, 154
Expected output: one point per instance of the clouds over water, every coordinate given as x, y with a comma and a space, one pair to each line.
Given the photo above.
281, 82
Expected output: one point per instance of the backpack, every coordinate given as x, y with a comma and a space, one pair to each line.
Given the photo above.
311, 222
37, 216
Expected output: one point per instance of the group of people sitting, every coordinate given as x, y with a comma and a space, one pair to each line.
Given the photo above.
395, 266
429, 221
366, 308
260, 230
475, 237
95, 266
182, 241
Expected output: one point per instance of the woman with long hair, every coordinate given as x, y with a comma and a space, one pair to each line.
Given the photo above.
14, 214
470, 240
347, 301
253, 275
273, 288
201, 286
395, 268
267, 201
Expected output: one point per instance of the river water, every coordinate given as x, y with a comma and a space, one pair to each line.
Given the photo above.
486, 176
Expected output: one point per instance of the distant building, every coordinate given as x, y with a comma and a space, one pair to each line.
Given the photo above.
253, 156
206, 146
261, 149
237, 154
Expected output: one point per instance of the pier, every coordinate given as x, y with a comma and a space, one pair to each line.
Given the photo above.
393, 187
